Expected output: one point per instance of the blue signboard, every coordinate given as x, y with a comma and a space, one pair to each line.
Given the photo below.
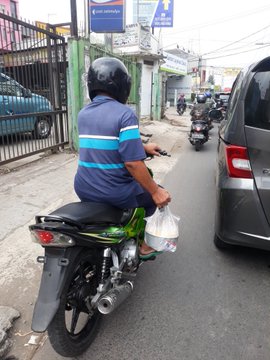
107, 16
163, 15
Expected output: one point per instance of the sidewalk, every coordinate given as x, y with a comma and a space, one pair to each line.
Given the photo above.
28, 188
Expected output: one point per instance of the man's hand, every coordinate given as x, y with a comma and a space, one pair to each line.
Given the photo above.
161, 197
152, 149
139, 171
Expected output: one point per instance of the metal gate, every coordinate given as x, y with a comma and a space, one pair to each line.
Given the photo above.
33, 90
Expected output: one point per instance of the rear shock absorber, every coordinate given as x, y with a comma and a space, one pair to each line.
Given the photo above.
105, 265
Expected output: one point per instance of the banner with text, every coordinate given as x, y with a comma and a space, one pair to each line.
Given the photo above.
163, 15
174, 64
107, 16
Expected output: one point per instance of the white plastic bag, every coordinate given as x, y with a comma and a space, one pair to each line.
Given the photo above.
161, 230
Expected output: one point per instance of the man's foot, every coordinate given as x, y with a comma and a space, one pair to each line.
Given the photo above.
147, 253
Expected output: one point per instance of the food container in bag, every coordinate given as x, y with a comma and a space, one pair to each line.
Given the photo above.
161, 231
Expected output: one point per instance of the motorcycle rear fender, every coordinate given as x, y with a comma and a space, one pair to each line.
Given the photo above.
57, 265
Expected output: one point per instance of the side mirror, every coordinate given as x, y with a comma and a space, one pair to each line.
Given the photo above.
27, 93
215, 114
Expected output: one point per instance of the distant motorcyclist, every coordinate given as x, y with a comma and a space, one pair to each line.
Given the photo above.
209, 99
200, 109
181, 103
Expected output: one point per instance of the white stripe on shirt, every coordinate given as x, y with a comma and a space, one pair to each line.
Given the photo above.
98, 137
129, 128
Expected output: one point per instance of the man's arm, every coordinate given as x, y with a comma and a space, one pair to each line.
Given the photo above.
139, 171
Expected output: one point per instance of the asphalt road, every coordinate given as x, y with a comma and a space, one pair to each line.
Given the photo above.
198, 303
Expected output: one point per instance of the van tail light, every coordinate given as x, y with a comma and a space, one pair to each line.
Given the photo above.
51, 238
237, 160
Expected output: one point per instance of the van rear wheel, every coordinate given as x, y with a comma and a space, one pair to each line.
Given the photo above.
43, 127
221, 245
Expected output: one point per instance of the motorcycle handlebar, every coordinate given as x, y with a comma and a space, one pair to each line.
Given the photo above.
164, 153
161, 152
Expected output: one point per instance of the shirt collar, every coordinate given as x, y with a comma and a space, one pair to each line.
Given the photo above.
102, 97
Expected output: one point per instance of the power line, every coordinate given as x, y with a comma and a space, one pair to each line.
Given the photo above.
221, 20
242, 52
237, 41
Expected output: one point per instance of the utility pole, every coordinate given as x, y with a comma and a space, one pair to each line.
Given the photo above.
200, 70
74, 25
86, 18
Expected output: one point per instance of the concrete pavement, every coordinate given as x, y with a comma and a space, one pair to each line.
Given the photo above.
28, 188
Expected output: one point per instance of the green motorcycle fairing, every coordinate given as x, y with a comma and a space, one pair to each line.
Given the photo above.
116, 234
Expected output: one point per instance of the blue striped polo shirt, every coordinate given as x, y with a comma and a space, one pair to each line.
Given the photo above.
108, 137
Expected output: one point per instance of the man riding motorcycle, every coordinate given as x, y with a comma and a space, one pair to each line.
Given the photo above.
181, 104
111, 156
200, 109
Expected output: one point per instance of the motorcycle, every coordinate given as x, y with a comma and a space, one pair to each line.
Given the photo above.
181, 108
216, 114
89, 266
198, 133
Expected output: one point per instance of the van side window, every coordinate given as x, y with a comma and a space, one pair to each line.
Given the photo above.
257, 101
235, 93
234, 98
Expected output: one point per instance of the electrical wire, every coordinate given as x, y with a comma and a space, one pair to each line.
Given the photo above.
222, 20
234, 42
237, 41
242, 52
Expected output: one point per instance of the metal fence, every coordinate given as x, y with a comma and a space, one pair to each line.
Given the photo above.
134, 69
33, 89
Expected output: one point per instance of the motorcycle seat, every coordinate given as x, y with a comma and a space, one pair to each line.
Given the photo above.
87, 213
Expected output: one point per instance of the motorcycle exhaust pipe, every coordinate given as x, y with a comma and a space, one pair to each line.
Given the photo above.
114, 297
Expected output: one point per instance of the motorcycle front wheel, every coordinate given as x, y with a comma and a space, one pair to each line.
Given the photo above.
74, 326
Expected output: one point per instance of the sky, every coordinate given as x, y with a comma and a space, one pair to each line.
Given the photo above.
226, 33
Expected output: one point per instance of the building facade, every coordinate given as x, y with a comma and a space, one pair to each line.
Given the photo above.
9, 35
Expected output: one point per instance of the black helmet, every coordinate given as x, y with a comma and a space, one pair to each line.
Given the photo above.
109, 75
201, 98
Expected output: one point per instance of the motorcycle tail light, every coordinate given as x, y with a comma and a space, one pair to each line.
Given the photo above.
51, 238
237, 160
198, 129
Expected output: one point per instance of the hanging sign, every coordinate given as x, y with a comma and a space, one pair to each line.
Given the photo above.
174, 64
163, 15
107, 16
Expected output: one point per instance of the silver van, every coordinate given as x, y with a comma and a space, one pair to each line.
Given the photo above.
243, 163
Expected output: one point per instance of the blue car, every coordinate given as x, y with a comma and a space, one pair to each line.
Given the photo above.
15, 99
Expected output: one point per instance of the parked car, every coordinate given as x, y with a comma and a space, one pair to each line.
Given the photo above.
243, 164
15, 99
222, 99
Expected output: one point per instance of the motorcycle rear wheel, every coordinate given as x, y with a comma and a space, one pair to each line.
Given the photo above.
198, 146
74, 328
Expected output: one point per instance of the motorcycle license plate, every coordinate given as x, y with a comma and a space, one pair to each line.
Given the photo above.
197, 136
